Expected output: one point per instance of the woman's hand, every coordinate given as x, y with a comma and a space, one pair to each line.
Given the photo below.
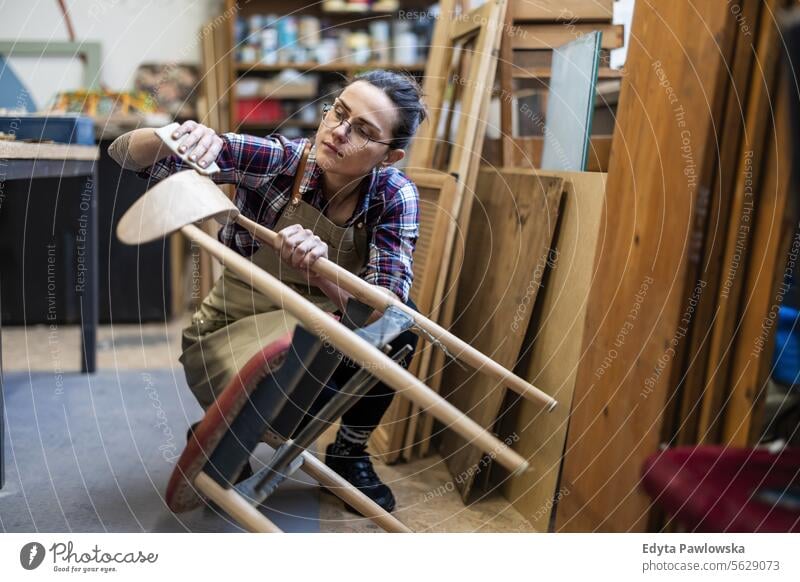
206, 143
300, 248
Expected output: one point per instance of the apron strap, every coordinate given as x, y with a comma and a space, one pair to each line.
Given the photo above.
298, 178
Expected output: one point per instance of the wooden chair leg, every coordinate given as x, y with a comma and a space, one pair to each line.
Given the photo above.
340, 487
229, 500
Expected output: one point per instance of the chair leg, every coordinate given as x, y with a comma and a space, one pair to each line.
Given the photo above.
340, 487
233, 503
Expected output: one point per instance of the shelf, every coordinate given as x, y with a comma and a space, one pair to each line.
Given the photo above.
377, 8
316, 67
544, 73
276, 124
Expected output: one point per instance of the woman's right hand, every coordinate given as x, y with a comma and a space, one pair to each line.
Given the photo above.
205, 141
300, 248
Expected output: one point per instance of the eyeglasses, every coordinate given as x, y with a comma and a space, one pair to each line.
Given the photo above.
357, 133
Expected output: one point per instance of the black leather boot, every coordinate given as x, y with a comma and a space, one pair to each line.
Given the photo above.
356, 467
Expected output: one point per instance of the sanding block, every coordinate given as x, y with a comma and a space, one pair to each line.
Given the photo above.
165, 133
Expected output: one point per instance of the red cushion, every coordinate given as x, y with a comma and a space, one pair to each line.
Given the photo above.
181, 493
717, 489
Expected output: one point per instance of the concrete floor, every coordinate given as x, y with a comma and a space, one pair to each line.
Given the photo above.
95, 434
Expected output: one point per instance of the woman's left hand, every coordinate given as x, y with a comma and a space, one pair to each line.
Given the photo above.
300, 248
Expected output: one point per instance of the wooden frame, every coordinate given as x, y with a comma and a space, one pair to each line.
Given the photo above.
486, 28
437, 231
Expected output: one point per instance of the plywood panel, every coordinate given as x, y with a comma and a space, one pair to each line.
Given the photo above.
552, 360
508, 250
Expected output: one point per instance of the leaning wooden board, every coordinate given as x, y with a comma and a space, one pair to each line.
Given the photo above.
663, 151
554, 353
470, 42
513, 218
763, 291
683, 411
437, 223
737, 238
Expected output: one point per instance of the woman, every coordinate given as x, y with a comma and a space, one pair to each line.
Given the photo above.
336, 196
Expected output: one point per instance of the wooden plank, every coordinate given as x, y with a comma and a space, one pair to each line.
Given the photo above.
764, 287
737, 237
563, 10
542, 59
208, 112
663, 153
506, 81
222, 50
543, 73
681, 424
233, 9
554, 349
438, 207
510, 236
19, 150
464, 157
527, 152
550, 36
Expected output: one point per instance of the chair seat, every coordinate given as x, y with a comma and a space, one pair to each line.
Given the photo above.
181, 494
718, 489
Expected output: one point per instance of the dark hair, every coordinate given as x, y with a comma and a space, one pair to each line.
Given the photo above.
406, 94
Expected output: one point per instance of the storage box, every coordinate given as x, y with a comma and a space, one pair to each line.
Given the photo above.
60, 128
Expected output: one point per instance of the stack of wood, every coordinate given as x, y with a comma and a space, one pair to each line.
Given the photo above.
644, 300
525, 38
688, 275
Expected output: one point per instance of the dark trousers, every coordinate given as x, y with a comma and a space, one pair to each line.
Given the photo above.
366, 413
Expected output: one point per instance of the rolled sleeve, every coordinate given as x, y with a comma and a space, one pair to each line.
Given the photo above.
390, 263
245, 160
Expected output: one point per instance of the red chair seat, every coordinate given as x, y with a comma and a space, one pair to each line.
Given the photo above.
717, 489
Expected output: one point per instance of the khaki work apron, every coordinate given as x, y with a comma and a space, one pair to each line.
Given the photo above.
234, 321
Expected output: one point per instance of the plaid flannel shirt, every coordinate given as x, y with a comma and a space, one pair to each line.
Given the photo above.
263, 170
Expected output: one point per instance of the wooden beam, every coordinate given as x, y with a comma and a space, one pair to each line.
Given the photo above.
663, 154
763, 288
548, 36
737, 238
563, 10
